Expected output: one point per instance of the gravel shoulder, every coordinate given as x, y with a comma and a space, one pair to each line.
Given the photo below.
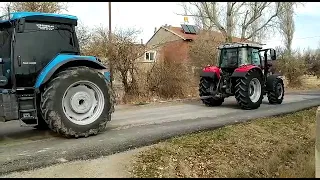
113, 166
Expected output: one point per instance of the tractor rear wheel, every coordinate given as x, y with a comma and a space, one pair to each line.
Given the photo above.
206, 85
277, 94
248, 90
77, 102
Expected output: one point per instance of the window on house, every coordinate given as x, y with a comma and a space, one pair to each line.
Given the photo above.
150, 56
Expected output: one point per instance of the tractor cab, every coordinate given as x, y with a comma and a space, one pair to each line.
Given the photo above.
29, 41
234, 55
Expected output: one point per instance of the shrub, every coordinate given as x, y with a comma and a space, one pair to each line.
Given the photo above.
292, 67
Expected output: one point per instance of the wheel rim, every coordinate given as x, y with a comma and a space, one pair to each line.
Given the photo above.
254, 90
83, 102
280, 90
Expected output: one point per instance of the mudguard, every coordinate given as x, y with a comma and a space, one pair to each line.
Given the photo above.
61, 60
243, 70
211, 71
270, 79
9, 105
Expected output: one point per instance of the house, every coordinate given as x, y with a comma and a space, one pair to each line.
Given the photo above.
177, 40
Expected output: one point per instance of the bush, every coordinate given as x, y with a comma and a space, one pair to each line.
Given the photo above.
312, 59
292, 67
169, 79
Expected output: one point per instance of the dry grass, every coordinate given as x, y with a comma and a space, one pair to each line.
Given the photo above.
271, 147
308, 83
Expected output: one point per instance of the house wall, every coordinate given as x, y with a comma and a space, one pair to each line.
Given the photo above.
177, 51
156, 44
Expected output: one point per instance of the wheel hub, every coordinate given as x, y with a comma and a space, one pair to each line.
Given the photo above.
254, 90
81, 102
251, 90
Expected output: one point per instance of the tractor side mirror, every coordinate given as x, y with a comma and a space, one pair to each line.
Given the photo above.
273, 55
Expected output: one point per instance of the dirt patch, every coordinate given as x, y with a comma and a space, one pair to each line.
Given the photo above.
270, 147
114, 166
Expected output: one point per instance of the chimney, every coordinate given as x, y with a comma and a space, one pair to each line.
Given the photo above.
141, 41
155, 29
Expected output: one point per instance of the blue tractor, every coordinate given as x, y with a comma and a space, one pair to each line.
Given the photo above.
45, 82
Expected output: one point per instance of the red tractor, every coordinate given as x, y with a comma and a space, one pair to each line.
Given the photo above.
243, 71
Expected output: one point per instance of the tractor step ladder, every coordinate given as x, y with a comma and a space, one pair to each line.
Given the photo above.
27, 107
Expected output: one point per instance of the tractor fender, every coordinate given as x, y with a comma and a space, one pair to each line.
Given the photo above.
66, 60
243, 70
211, 75
211, 71
270, 80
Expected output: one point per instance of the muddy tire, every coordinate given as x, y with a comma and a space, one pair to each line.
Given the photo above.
204, 87
248, 90
277, 94
77, 102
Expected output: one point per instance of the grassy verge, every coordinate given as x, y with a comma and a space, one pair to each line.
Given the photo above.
308, 83
280, 146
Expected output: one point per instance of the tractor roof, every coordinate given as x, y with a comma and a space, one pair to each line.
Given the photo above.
69, 19
239, 45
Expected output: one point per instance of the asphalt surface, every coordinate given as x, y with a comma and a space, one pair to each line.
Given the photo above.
24, 148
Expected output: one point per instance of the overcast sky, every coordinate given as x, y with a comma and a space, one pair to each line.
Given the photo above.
148, 15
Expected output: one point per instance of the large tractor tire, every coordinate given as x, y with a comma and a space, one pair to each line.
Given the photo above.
204, 90
248, 90
77, 102
276, 95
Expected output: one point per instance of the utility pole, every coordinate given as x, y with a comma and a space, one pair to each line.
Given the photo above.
110, 41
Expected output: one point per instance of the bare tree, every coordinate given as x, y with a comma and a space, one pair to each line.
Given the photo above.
235, 17
122, 51
286, 24
46, 7
203, 51
84, 35
123, 54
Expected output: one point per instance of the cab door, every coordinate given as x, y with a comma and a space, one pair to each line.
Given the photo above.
5, 54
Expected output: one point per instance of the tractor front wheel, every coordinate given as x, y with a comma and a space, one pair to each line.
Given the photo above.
248, 90
78, 102
205, 87
276, 95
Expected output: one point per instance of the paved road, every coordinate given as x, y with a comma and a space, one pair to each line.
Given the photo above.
25, 148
